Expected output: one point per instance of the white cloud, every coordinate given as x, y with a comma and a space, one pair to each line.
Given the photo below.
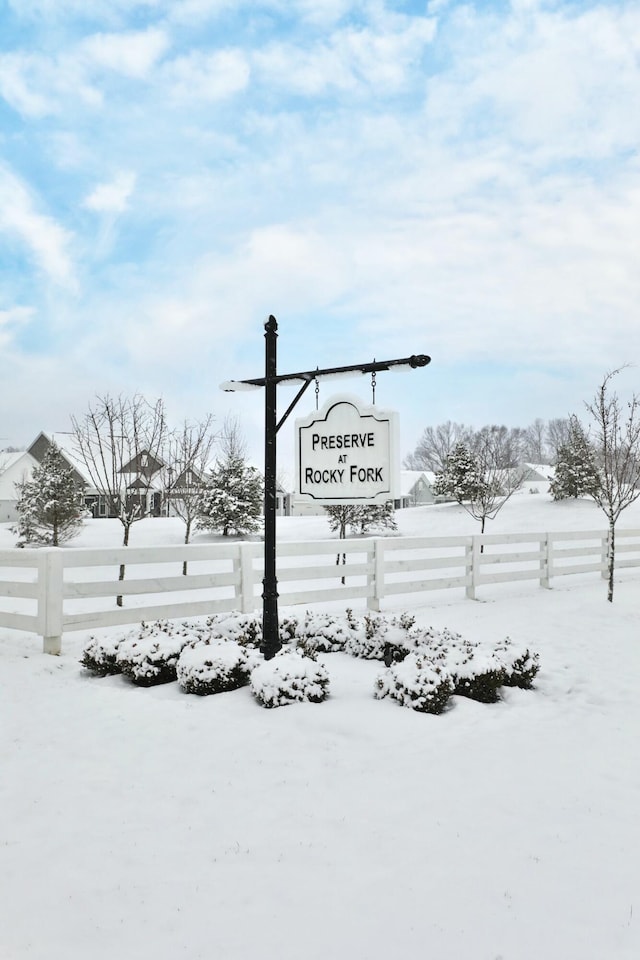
37, 85
47, 242
561, 82
113, 196
379, 58
207, 76
16, 88
105, 10
131, 54
12, 318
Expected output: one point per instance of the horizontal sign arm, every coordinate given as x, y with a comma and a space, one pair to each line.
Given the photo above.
306, 376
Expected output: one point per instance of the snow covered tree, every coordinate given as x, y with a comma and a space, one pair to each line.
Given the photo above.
376, 516
341, 516
51, 504
460, 479
576, 471
484, 480
361, 517
617, 442
232, 499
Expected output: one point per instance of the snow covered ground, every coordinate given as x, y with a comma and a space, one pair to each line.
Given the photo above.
141, 824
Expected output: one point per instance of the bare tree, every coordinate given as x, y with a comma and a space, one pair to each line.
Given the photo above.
558, 435
617, 441
120, 441
231, 440
435, 446
535, 446
188, 457
499, 447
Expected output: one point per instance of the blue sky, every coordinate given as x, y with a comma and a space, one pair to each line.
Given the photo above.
387, 178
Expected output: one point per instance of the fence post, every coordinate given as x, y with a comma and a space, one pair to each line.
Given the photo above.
546, 561
376, 578
50, 600
246, 579
472, 562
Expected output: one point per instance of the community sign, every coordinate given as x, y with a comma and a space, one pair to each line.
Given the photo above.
347, 453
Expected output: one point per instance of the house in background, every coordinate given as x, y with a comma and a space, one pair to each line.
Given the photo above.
416, 489
536, 477
14, 468
143, 476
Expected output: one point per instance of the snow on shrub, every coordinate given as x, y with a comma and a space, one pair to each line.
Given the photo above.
243, 628
288, 628
206, 668
289, 677
416, 682
323, 633
221, 654
150, 658
374, 637
99, 655
520, 666
475, 672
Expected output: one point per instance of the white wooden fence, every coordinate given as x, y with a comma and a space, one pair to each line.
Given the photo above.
51, 591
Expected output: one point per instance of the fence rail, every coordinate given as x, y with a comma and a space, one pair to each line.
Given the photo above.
53, 591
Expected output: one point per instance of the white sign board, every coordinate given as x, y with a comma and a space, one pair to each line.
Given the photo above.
347, 453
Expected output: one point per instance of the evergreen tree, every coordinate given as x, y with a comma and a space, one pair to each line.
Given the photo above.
461, 478
51, 504
361, 517
576, 471
483, 480
232, 499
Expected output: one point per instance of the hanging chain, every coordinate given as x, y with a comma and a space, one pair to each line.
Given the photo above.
373, 386
317, 391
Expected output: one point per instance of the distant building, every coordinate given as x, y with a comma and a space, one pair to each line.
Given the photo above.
143, 476
14, 468
536, 477
416, 489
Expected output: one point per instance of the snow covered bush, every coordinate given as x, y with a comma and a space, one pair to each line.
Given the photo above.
289, 627
416, 682
289, 677
475, 672
206, 668
322, 632
149, 656
99, 655
243, 628
520, 666
375, 636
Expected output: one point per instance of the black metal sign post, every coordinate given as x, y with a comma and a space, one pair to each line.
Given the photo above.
270, 625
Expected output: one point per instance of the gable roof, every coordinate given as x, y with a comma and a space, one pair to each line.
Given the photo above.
62, 441
410, 478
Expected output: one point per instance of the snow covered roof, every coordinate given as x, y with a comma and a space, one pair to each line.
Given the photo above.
14, 467
409, 479
64, 443
543, 470
7, 459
